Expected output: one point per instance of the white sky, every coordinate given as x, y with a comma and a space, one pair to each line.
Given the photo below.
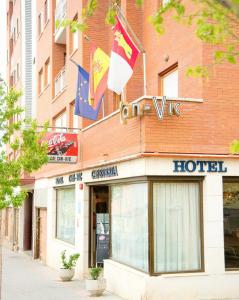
3, 37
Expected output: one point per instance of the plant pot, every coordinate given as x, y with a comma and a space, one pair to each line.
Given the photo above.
66, 274
95, 287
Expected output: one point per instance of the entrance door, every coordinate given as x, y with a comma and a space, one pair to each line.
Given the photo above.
27, 242
41, 234
99, 225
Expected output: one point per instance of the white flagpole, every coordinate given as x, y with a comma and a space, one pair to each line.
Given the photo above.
142, 50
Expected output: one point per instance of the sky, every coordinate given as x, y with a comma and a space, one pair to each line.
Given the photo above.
3, 37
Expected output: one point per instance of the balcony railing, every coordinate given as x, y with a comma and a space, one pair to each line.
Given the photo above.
60, 82
60, 15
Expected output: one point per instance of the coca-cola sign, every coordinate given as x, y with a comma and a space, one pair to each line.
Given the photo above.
62, 147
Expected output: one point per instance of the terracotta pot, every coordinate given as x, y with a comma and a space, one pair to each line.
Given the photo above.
95, 287
66, 274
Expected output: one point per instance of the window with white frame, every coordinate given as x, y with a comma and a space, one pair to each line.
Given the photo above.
40, 81
47, 72
169, 84
65, 215
60, 122
176, 226
75, 40
46, 11
129, 224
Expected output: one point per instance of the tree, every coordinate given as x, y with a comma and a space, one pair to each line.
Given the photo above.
20, 137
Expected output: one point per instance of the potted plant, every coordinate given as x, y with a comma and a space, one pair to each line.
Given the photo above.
96, 284
67, 271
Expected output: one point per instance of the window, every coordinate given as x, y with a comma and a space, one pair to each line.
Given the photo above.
40, 81
17, 27
176, 223
74, 38
74, 118
60, 122
231, 223
46, 11
129, 224
65, 215
47, 72
169, 84
18, 71
40, 26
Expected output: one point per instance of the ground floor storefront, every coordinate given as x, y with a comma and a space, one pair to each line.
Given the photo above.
163, 228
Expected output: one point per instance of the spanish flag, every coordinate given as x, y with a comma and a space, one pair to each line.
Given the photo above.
98, 75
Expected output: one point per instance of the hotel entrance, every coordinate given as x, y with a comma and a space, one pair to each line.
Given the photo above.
99, 225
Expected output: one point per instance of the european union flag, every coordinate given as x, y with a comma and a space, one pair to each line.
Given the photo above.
82, 105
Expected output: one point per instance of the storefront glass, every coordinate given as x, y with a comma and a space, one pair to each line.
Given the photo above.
129, 221
177, 236
231, 224
65, 215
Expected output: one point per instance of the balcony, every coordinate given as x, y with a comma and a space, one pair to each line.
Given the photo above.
60, 15
60, 82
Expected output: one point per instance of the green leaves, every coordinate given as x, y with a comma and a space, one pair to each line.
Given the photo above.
25, 153
234, 148
70, 262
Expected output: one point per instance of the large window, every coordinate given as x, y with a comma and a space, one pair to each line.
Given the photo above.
60, 122
231, 224
169, 82
65, 215
129, 221
176, 218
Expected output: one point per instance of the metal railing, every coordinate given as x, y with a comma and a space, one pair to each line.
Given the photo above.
60, 81
60, 13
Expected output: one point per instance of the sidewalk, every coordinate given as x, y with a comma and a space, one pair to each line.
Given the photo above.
26, 279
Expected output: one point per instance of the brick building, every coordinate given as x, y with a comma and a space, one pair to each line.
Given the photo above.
156, 198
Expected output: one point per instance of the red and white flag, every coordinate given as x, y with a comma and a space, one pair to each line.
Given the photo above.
123, 56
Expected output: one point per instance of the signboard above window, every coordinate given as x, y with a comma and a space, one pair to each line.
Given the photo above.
62, 147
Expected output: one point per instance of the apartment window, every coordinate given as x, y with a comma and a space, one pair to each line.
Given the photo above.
40, 25
231, 223
46, 11
169, 83
74, 38
47, 72
176, 225
129, 224
40, 81
14, 34
65, 215
18, 71
17, 27
60, 122
74, 118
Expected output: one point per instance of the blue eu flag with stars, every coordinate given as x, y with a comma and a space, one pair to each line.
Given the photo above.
82, 105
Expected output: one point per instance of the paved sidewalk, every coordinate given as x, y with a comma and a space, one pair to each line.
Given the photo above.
26, 279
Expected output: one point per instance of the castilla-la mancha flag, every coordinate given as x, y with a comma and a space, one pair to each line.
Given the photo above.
123, 56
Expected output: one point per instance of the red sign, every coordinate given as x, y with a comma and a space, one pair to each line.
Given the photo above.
62, 147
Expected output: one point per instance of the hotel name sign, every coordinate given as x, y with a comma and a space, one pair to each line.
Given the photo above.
201, 166
130, 110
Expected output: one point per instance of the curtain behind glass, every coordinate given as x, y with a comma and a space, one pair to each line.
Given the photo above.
177, 245
66, 215
129, 221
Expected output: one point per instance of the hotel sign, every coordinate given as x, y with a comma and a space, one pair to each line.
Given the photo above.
128, 111
201, 166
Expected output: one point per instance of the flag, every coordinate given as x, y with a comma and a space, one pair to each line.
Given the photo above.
82, 106
123, 56
98, 75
